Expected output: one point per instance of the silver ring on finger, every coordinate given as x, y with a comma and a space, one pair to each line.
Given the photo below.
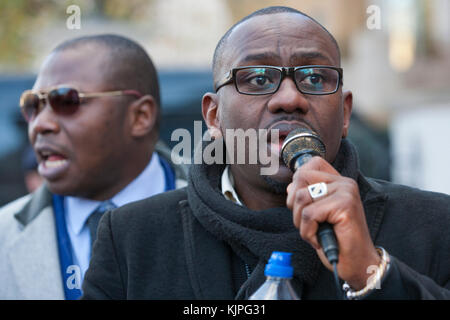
318, 190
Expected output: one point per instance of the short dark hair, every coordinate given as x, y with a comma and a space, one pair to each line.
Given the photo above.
129, 65
218, 52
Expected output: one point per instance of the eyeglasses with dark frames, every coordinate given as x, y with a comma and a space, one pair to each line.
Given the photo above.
260, 80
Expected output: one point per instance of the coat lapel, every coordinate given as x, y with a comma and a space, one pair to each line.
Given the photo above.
33, 253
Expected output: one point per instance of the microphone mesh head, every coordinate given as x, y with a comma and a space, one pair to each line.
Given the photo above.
300, 141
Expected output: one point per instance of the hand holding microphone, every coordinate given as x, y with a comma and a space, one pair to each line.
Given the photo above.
298, 148
327, 209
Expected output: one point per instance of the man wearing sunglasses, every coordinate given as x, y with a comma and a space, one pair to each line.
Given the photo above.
93, 119
276, 69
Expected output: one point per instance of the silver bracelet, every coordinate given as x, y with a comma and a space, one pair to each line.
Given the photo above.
373, 282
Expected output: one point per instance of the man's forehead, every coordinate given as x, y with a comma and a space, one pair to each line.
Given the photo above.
78, 66
287, 37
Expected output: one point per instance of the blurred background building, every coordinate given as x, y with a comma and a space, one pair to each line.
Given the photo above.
395, 55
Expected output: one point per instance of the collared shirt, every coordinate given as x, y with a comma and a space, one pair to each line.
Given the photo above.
78, 210
228, 186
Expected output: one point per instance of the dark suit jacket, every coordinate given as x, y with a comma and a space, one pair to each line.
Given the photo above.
156, 249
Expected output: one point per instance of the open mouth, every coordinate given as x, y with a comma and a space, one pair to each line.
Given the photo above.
52, 164
51, 159
283, 128
275, 140
281, 137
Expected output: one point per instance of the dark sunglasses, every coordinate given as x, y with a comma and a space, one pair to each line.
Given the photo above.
62, 100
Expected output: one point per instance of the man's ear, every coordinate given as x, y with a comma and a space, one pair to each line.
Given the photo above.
210, 112
143, 116
348, 105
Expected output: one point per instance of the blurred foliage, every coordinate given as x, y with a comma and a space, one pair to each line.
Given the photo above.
127, 10
241, 8
21, 19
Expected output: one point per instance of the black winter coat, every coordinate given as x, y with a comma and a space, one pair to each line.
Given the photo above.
157, 249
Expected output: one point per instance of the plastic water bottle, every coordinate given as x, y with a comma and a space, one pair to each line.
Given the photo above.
278, 274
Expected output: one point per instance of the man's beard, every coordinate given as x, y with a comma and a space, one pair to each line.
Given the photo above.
275, 186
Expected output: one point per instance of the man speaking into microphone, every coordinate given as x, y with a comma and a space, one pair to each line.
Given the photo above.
277, 69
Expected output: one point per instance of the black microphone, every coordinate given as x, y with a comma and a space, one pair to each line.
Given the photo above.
298, 148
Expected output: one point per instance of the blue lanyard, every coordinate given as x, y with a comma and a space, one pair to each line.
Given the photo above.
168, 174
71, 273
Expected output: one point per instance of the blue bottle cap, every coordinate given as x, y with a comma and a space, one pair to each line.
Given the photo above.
279, 265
